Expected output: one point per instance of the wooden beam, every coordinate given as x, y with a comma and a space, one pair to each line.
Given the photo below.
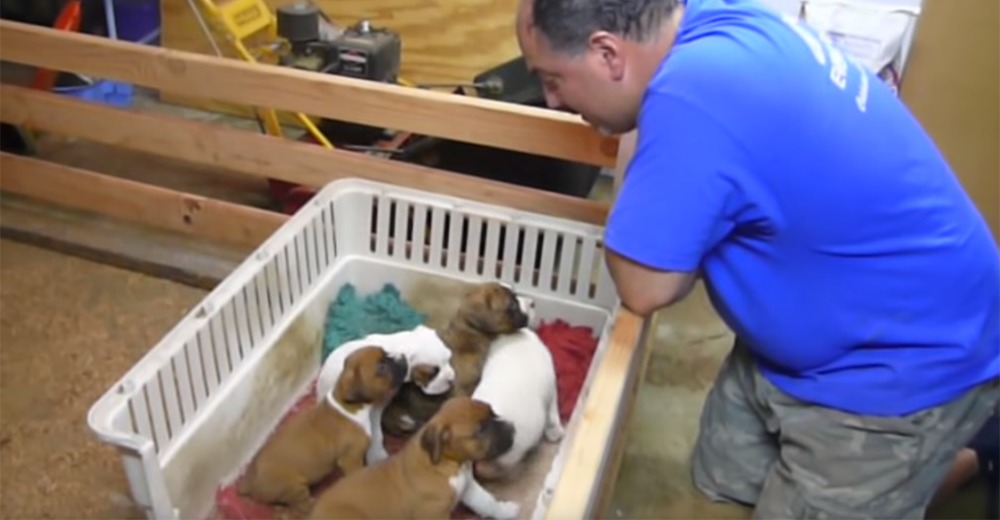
265, 156
589, 461
462, 118
154, 252
137, 202
587, 480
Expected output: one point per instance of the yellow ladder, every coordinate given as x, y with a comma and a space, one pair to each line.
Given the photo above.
241, 19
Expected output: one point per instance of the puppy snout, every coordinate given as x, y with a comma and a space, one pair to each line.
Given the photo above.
520, 319
501, 435
399, 369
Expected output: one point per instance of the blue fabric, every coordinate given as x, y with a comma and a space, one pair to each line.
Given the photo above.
833, 237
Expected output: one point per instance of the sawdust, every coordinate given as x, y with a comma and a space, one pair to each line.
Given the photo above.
68, 329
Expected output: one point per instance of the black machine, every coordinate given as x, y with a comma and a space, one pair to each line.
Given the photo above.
366, 52
360, 51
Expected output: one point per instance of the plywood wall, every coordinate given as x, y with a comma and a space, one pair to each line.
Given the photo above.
951, 85
443, 40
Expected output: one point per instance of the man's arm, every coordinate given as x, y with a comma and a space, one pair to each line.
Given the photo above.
675, 203
644, 290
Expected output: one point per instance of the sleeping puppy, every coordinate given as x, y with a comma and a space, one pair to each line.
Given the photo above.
487, 311
519, 383
431, 474
427, 356
335, 432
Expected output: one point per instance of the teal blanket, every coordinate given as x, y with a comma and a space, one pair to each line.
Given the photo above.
351, 316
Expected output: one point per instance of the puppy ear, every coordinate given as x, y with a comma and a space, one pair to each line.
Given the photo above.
433, 441
354, 392
481, 319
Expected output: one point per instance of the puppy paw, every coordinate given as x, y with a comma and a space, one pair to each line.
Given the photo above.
376, 454
506, 510
554, 433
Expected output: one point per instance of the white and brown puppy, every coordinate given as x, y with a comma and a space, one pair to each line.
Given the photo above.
335, 432
428, 359
519, 383
487, 311
431, 474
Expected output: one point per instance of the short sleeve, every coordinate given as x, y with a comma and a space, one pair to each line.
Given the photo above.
676, 201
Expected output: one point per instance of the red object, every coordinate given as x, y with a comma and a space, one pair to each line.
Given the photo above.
572, 350
68, 20
290, 197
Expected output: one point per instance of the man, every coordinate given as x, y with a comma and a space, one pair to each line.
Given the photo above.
833, 239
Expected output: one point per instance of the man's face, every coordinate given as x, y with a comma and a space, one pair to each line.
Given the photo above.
591, 83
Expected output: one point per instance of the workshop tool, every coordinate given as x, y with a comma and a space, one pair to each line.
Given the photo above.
68, 20
240, 20
301, 36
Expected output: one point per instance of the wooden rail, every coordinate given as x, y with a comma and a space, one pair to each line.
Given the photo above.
503, 125
265, 156
137, 201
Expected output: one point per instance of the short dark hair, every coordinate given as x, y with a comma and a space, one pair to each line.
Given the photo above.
567, 24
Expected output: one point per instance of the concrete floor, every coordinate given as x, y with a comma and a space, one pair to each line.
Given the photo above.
69, 328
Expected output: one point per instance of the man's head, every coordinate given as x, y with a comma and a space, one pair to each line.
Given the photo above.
595, 57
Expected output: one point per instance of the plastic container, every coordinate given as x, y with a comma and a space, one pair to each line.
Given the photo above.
112, 93
137, 20
193, 411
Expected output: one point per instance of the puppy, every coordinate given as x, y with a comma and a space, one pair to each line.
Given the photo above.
431, 474
487, 311
519, 384
335, 432
430, 369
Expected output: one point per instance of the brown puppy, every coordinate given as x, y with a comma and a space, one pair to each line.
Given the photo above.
431, 474
487, 311
334, 433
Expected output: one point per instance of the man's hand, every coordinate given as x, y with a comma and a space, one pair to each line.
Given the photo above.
644, 290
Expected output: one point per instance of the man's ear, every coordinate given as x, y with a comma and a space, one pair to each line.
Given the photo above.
433, 441
608, 48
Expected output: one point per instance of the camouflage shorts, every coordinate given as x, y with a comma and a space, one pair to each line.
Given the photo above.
826, 464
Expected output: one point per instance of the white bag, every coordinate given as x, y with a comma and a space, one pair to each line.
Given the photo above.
875, 35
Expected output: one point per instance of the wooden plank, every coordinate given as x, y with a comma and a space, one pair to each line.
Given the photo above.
151, 251
586, 484
462, 118
265, 156
444, 41
137, 202
618, 443
591, 451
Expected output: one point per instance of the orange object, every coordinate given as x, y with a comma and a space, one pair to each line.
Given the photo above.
68, 20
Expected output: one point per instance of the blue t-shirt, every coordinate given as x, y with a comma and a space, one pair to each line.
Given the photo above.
834, 239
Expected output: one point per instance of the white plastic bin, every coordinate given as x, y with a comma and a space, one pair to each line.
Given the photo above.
190, 414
